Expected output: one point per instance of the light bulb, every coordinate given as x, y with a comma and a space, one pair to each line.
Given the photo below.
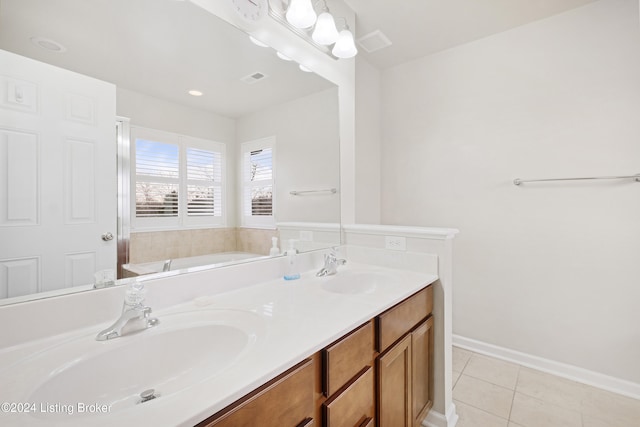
345, 47
325, 32
300, 14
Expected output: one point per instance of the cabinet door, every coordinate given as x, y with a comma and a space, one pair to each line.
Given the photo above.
354, 404
346, 357
287, 401
421, 364
394, 386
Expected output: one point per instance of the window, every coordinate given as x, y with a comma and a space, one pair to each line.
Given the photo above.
177, 180
258, 178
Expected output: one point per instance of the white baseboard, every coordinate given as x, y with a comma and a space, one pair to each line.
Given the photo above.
574, 373
436, 419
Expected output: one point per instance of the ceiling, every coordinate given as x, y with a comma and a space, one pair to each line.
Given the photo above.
422, 27
161, 48
165, 48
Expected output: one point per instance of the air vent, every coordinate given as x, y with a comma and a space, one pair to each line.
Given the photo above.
374, 41
254, 78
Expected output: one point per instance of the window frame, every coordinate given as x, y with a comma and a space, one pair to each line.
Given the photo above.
257, 221
182, 220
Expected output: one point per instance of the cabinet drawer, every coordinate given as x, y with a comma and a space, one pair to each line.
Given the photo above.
400, 319
346, 357
286, 401
354, 405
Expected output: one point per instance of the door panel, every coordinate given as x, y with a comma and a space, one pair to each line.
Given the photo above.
57, 144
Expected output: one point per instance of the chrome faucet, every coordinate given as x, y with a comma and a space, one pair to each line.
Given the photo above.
134, 317
167, 265
331, 263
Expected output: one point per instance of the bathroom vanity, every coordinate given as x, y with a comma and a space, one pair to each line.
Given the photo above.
380, 370
240, 346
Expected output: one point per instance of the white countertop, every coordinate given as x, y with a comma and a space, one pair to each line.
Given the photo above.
298, 318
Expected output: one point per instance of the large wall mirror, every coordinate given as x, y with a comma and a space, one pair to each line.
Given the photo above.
153, 132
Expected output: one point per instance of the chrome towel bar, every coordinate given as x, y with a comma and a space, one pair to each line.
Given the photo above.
329, 190
519, 181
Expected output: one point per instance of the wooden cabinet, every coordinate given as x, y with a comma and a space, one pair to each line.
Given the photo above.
394, 386
286, 401
378, 374
343, 359
348, 379
353, 405
421, 367
404, 367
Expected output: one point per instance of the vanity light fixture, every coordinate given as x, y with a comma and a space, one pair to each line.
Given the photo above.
257, 42
283, 56
325, 31
321, 31
195, 93
345, 47
300, 14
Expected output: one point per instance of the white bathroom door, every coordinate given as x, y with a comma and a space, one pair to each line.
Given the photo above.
58, 192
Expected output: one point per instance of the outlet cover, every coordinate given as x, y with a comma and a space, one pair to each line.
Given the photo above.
395, 243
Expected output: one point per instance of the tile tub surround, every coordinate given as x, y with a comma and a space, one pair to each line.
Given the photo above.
149, 246
292, 312
489, 392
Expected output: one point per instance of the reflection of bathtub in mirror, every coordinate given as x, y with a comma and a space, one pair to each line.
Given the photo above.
132, 270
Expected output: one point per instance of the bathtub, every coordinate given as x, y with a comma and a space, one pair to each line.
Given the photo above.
223, 258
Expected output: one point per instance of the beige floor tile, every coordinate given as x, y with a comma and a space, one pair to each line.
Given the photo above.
455, 377
551, 389
460, 358
474, 417
617, 410
530, 412
483, 395
495, 371
588, 421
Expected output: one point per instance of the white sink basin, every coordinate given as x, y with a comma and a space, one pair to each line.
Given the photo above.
357, 282
184, 349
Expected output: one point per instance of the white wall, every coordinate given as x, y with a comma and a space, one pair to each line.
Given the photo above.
307, 154
368, 128
552, 269
155, 113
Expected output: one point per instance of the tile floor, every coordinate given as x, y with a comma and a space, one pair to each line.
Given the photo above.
492, 393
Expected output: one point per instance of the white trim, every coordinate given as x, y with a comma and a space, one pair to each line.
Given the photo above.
436, 419
398, 230
571, 372
313, 226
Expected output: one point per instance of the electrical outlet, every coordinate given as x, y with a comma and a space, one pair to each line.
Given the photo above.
306, 236
395, 243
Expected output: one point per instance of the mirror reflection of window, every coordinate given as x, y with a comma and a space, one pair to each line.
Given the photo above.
178, 180
258, 171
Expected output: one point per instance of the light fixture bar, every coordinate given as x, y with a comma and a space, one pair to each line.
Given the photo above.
279, 16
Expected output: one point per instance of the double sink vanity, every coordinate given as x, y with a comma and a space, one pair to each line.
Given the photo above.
350, 349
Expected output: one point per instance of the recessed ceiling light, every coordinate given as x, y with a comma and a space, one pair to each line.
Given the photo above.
195, 93
257, 42
283, 56
48, 44
305, 69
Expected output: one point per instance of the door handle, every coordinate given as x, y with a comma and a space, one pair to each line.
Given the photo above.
107, 236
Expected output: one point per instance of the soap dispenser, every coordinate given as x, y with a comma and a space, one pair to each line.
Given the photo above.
292, 262
274, 251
